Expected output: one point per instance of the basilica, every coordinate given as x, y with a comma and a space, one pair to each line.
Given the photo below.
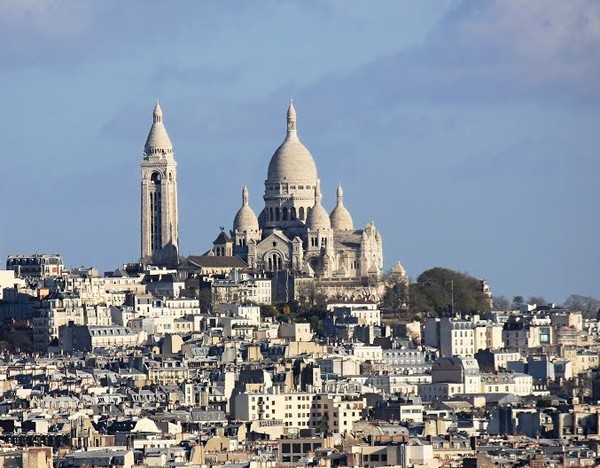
293, 231
293, 234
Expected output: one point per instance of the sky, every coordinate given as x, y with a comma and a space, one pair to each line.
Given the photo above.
468, 131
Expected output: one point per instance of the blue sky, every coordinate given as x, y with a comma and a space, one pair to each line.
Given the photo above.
467, 130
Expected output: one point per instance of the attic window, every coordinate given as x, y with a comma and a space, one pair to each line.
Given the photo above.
274, 244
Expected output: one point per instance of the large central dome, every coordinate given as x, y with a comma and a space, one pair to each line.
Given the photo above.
292, 162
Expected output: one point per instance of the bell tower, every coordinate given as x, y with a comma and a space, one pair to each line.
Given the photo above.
159, 216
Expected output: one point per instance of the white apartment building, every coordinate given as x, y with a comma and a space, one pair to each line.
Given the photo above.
457, 337
242, 287
520, 335
50, 314
502, 382
301, 410
488, 335
148, 306
250, 313
90, 337
398, 383
364, 352
9, 280
340, 365
295, 331
97, 315
169, 373
237, 327
440, 390
108, 290
365, 314
405, 361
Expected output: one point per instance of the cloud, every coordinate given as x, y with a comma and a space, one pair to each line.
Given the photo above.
486, 51
530, 44
30, 29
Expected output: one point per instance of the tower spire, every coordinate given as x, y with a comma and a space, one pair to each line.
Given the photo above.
340, 195
157, 113
318, 193
158, 141
291, 118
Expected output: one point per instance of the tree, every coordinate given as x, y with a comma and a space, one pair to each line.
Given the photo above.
588, 306
396, 294
446, 291
310, 297
537, 300
501, 303
517, 302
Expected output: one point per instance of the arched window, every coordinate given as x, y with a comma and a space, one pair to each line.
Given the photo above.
293, 213
270, 214
156, 178
277, 214
301, 213
285, 213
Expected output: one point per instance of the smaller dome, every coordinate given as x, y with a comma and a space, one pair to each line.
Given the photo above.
318, 217
340, 216
245, 219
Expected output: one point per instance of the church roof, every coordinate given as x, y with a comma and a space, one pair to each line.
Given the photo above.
292, 161
158, 140
347, 239
215, 261
222, 238
245, 219
340, 216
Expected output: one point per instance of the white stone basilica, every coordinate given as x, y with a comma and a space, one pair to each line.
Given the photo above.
293, 235
294, 232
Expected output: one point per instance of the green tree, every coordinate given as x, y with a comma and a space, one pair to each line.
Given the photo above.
445, 291
396, 294
588, 306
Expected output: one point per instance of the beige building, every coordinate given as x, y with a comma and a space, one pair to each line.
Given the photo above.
169, 373
9, 280
504, 382
242, 287
50, 314
295, 331
334, 413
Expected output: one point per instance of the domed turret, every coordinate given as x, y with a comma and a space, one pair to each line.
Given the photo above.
245, 219
340, 216
158, 141
292, 162
318, 218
